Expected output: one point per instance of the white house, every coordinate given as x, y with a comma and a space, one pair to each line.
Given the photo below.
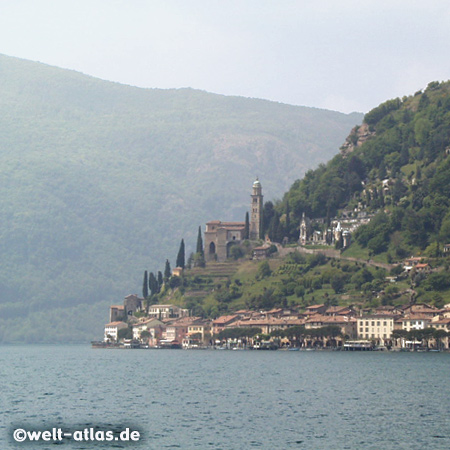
153, 326
112, 331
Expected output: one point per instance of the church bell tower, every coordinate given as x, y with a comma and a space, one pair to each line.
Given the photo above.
256, 210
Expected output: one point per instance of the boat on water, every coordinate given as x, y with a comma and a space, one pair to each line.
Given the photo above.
358, 346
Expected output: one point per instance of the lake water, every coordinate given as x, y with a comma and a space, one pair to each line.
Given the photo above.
228, 399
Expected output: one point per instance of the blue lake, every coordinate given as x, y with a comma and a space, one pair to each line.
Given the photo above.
228, 399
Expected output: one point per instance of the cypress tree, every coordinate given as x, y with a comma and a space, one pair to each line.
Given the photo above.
190, 261
160, 280
199, 241
167, 271
181, 255
153, 284
145, 285
247, 227
288, 220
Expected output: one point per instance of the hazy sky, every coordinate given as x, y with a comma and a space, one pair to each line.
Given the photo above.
342, 55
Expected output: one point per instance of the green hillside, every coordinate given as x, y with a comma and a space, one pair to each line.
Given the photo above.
395, 164
99, 181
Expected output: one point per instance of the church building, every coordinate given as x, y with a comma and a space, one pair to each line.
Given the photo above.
221, 236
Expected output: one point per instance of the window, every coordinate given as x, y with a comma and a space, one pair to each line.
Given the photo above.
384, 323
373, 323
378, 323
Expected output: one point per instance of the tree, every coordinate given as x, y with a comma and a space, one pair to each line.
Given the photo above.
338, 283
199, 241
236, 252
160, 280
145, 334
145, 285
181, 255
439, 335
199, 260
300, 292
247, 227
153, 284
167, 271
263, 270
288, 220
125, 333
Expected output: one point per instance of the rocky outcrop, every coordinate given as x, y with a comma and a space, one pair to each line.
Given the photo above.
356, 138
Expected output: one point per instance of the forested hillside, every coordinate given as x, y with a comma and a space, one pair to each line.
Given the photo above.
397, 164
99, 181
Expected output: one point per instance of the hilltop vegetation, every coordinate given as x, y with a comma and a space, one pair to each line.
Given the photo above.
99, 180
293, 281
396, 164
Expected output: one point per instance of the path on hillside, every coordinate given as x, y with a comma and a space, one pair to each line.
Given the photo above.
331, 253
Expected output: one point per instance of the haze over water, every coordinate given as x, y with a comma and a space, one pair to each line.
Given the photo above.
229, 399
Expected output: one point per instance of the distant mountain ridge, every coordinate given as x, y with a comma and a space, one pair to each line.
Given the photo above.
100, 181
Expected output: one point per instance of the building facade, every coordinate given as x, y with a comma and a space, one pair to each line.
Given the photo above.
376, 327
112, 331
221, 236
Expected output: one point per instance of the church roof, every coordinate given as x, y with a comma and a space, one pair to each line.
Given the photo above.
257, 183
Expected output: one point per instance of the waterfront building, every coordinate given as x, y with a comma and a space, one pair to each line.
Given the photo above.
201, 327
223, 321
112, 331
415, 322
154, 326
376, 327
177, 330
346, 324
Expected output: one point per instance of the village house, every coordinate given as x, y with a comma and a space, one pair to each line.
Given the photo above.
315, 309
177, 272
420, 308
261, 252
415, 322
178, 329
112, 331
201, 327
347, 325
388, 310
422, 268
340, 311
167, 311
154, 326
412, 261
220, 323
267, 324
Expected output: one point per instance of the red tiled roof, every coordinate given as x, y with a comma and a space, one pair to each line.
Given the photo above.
224, 319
